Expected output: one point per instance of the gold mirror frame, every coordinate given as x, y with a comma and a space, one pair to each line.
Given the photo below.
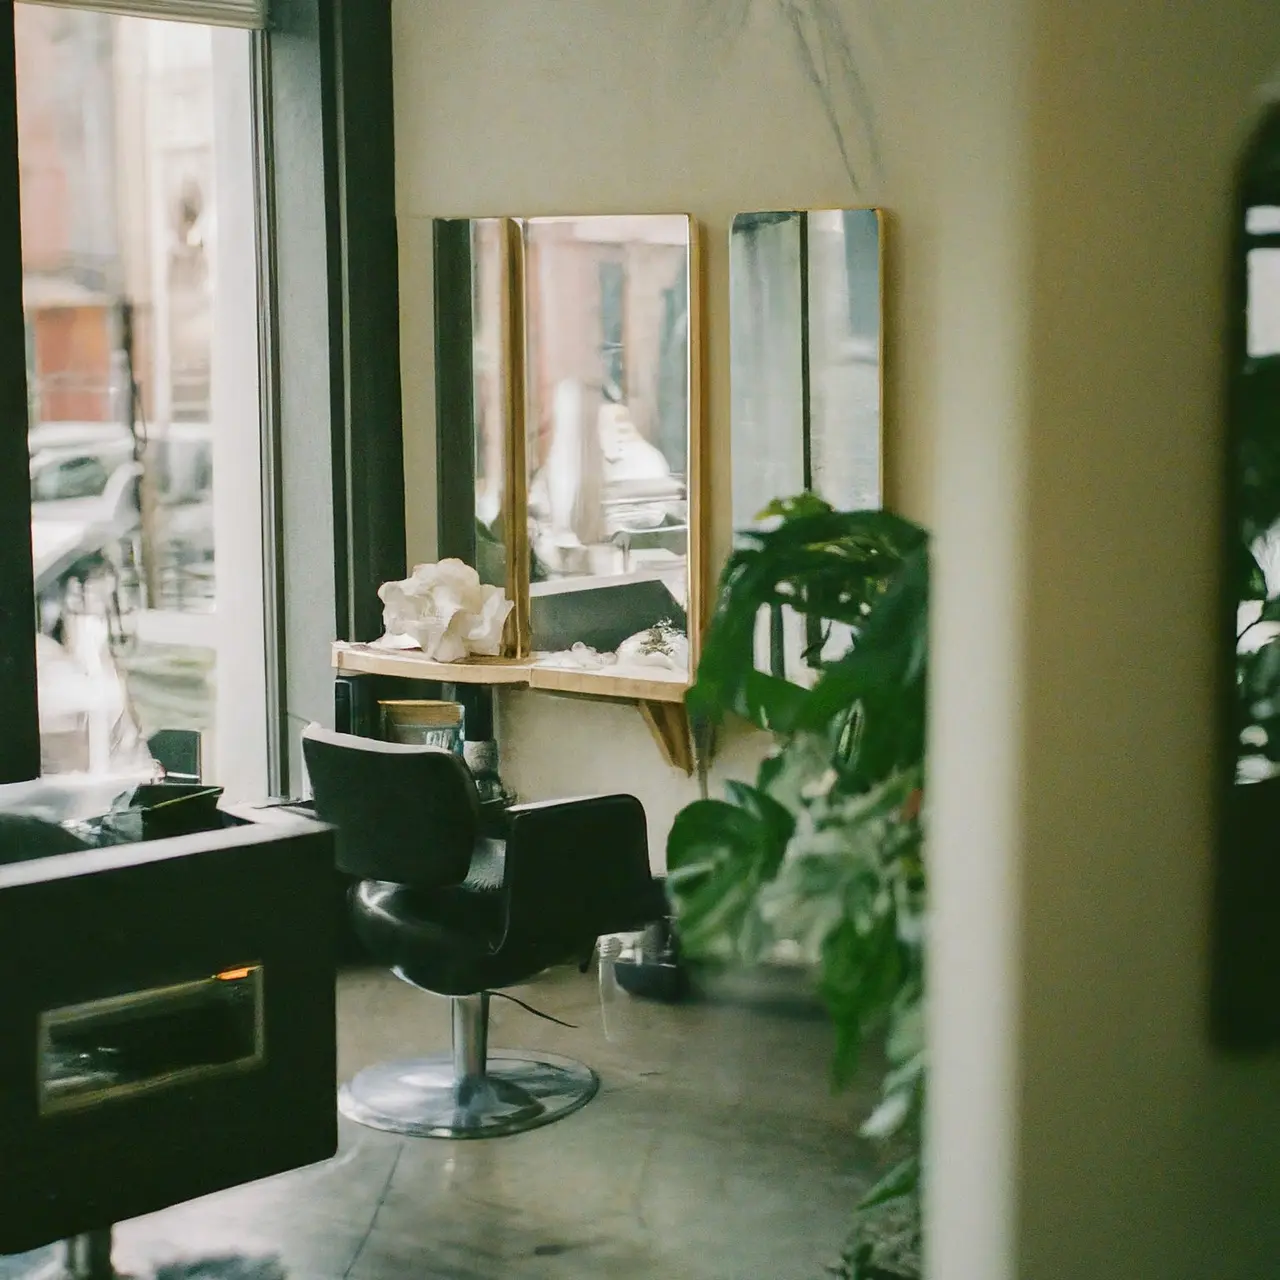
807, 387
794, 270
505, 323
514, 374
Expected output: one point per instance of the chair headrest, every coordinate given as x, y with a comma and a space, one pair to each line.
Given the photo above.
318, 733
404, 813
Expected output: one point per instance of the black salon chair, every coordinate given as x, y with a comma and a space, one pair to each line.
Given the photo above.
459, 913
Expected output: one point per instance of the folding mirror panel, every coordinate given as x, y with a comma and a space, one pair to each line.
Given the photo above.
1245, 991
806, 334
570, 434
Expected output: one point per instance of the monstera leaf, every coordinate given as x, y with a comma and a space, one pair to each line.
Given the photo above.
828, 565
720, 854
825, 850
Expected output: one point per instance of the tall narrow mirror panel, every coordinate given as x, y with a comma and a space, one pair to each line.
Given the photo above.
489, 340
1246, 978
609, 440
474, 325
806, 351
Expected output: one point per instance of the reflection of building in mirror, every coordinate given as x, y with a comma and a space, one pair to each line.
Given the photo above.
608, 433
806, 351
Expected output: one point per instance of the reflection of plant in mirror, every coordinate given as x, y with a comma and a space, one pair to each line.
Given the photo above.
661, 638
824, 851
824, 51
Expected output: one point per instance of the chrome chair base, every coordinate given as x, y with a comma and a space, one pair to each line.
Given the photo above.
424, 1098
469, 1093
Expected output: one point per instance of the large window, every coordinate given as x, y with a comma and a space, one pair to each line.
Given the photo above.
198, 301
139, 203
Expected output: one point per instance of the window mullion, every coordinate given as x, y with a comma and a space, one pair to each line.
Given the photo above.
19, 708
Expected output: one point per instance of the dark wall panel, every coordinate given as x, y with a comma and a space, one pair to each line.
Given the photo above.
19, 718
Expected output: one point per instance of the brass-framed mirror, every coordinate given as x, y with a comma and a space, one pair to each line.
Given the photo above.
806, 303
571, 444
477, 395
1245, 1013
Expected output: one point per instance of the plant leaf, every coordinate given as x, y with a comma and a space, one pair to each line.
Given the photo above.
902, 1180
825, 850
1251, 582
718, 856
822, 563
889, 1117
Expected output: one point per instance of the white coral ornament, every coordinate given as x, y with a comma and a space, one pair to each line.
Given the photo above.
444, 610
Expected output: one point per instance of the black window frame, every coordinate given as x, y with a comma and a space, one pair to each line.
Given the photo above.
330, 365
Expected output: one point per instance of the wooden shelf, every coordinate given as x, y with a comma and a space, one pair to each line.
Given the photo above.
407, 664
603, 684
660, 702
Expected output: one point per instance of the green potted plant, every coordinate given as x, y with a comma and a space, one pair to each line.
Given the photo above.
823, 852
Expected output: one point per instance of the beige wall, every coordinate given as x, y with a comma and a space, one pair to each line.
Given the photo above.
1081, 1125
1169, 1155
596, 106
1058, 179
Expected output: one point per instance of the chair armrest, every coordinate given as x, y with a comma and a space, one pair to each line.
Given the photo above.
579, 867
531, 806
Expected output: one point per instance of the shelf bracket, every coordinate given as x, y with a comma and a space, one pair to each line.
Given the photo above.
669, 724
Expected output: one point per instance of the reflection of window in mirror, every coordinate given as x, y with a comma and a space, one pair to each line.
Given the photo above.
766, 357
608, 431
1263, 344
844, 356
1246, 968
488, 406
1264, 285
1256, 462
805, 335
806, 301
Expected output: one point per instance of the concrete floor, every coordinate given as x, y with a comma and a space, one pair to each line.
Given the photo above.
715, 1149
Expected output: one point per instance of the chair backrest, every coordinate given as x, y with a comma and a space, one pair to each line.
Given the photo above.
578, 869
407, 814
